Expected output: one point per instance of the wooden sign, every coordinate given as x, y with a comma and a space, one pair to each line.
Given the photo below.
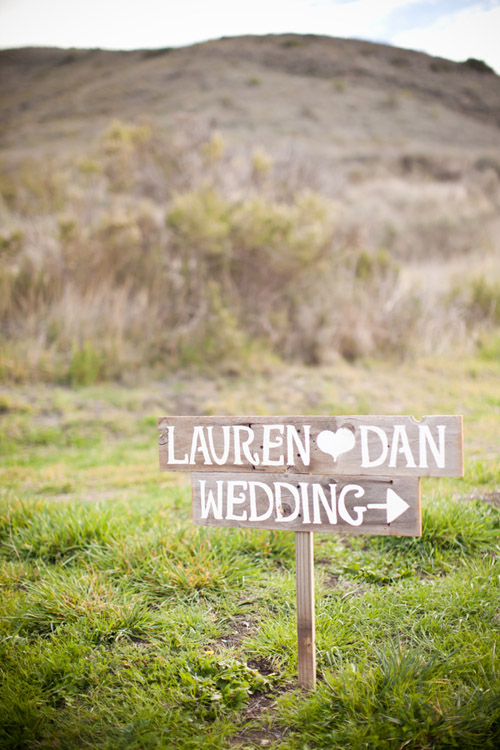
348, 474
346, 445
340, 504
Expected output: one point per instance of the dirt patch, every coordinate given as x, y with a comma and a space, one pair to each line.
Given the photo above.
331, 581
322, 561
492, 498
257, 711
262, 665
240, 629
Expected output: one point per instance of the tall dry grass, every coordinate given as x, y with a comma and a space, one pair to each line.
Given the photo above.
156, 252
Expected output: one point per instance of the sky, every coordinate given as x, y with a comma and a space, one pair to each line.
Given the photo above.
455, 29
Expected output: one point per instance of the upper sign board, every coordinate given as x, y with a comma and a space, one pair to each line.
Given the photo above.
346, 445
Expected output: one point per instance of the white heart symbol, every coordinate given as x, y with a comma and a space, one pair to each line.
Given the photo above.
335, 443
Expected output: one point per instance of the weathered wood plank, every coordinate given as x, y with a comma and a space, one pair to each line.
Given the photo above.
351, 445
294, 502
306, 626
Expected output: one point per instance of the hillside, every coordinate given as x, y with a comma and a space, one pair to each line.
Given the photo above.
220, 196
332, 95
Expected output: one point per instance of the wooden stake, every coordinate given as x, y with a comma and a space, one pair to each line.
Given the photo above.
306, 630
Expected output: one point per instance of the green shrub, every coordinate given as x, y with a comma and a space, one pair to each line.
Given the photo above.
86, 366
485, 299
292, 43
478, 65
200, 221
11, 243
489, 347
262, 163
213, 149
479, 301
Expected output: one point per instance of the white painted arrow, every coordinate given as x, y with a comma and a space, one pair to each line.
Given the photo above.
394, 504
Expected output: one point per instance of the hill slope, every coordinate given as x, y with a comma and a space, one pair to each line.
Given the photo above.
322, 93
298, 196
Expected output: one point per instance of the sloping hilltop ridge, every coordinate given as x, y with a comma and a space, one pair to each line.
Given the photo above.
380, 65
319, 92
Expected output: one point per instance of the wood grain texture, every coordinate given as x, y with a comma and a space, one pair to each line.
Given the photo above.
382, 506
306, 627
346, 445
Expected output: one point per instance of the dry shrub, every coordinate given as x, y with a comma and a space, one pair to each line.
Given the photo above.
155, 252
479, 300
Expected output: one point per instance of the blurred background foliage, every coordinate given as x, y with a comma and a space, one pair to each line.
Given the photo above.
155, 251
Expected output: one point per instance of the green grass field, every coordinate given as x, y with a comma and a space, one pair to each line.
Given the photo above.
124, 626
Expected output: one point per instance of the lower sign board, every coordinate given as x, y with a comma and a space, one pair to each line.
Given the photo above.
342, 504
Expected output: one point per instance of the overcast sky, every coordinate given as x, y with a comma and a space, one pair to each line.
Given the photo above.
456, 29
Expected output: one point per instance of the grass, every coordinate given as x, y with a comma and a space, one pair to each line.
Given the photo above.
124, 626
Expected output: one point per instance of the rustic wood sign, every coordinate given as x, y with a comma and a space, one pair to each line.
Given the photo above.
348, 474
299, 502
351, 445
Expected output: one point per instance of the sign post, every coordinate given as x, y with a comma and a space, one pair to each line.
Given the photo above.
349, 475
306, 627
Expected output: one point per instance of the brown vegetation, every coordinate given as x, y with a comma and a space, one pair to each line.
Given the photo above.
155, 245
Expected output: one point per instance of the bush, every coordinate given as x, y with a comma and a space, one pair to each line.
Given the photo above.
479, 298
478, 65
485, 299
86, 365
155, 251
